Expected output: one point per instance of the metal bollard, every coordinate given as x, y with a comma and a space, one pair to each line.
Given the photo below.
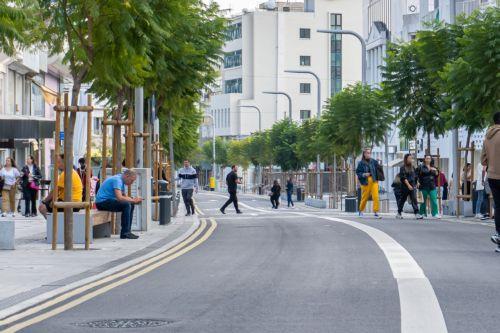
165, 199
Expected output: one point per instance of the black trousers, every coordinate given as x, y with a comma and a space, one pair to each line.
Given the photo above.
495, 190
187, 197
29, 196
232, 199
405, 193
275, 200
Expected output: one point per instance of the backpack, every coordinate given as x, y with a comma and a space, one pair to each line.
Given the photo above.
380, 173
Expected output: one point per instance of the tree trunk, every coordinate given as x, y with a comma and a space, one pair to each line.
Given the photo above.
428, 151
68, 167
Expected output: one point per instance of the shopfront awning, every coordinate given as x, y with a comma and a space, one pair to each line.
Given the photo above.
26, 128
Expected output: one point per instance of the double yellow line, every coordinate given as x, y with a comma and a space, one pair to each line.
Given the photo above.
119, 279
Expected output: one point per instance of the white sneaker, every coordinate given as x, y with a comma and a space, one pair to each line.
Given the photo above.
360, 214
399, 216
419, 217
377, 216
497, 250
479, 216
13, 215
4, 215
439, 217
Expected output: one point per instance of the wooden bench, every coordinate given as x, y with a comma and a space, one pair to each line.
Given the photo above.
100, 220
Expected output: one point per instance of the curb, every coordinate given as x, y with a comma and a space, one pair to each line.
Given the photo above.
26, 304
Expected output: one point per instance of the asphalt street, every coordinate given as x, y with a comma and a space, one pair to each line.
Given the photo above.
302, 270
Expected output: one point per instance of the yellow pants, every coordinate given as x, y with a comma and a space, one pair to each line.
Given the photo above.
366, 190
9, 200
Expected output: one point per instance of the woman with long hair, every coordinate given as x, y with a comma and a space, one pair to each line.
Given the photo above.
10, 176
368, 176
275, 194
408, 187
30, 183
426, 174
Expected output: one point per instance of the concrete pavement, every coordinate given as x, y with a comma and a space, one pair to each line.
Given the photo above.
298, 270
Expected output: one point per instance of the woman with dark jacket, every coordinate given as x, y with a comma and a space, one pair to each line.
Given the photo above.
30, 183
427, 174
368, 172
275, 194
408, 187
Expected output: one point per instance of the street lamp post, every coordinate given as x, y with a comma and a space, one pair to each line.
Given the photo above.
213, 142
258, 110
318, 167
361, 40
284, 94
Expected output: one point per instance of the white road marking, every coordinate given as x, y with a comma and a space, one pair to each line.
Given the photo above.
420, 309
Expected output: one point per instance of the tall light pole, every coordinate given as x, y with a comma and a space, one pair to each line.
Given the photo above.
258, 110
213, 142
363, 46
284, 94
318, 167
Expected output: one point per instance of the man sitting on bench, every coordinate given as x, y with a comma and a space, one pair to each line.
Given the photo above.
111, 197
76, 190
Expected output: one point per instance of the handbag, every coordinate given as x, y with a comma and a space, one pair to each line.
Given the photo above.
7, 187
34, 186
420, 197
380, 173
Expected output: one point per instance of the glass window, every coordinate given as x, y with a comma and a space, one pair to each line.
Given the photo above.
232, 59
305, 114
305, 60
336, 54
234, 86
305, 33
37, 103
305, 88
233, 32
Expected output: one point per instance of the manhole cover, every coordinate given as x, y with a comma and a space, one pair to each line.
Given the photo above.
125, 323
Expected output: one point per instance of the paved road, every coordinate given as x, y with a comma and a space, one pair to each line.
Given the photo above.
302, 270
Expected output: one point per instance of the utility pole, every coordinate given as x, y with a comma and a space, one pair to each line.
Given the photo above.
259, 112
213, 143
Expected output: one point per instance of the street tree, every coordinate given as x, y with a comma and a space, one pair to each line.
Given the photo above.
308, 143
17, 25
410, 90
259, 149
221, 152
237, 153
283, 138
471, 80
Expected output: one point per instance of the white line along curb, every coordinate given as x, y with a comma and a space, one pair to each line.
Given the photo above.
420, 309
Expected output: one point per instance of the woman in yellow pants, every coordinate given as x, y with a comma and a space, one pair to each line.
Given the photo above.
368, 176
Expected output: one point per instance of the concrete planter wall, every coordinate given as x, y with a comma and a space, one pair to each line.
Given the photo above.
7, 234
316, 203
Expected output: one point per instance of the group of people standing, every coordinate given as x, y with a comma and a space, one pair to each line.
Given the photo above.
28, 179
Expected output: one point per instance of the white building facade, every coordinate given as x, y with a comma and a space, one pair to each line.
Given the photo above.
264, 43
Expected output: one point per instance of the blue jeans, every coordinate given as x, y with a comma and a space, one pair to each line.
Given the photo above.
126, 208
479, 202
289, 198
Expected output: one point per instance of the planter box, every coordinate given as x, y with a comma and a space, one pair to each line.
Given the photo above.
7, 234
78, 228
316, 203
351, 204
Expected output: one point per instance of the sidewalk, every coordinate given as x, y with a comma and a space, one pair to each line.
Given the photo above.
33, 269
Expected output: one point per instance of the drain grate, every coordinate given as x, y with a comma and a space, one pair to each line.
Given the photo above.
125, 323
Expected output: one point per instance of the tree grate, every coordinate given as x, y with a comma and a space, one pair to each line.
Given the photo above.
125, 323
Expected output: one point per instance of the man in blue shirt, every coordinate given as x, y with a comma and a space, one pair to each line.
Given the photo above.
111, 197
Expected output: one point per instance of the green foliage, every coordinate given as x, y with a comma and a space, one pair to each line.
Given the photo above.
258, 149
237, 153
354, 118
409, 88
472, 81
185, 131
283, 138
17, 23
308, 142
221, 152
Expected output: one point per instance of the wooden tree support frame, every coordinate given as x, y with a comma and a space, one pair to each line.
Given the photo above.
458, 178
66, 108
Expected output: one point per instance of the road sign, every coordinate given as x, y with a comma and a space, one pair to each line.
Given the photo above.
61, 135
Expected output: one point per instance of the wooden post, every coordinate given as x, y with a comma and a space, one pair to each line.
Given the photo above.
88, 174
104, 163
57, 143
68, 221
